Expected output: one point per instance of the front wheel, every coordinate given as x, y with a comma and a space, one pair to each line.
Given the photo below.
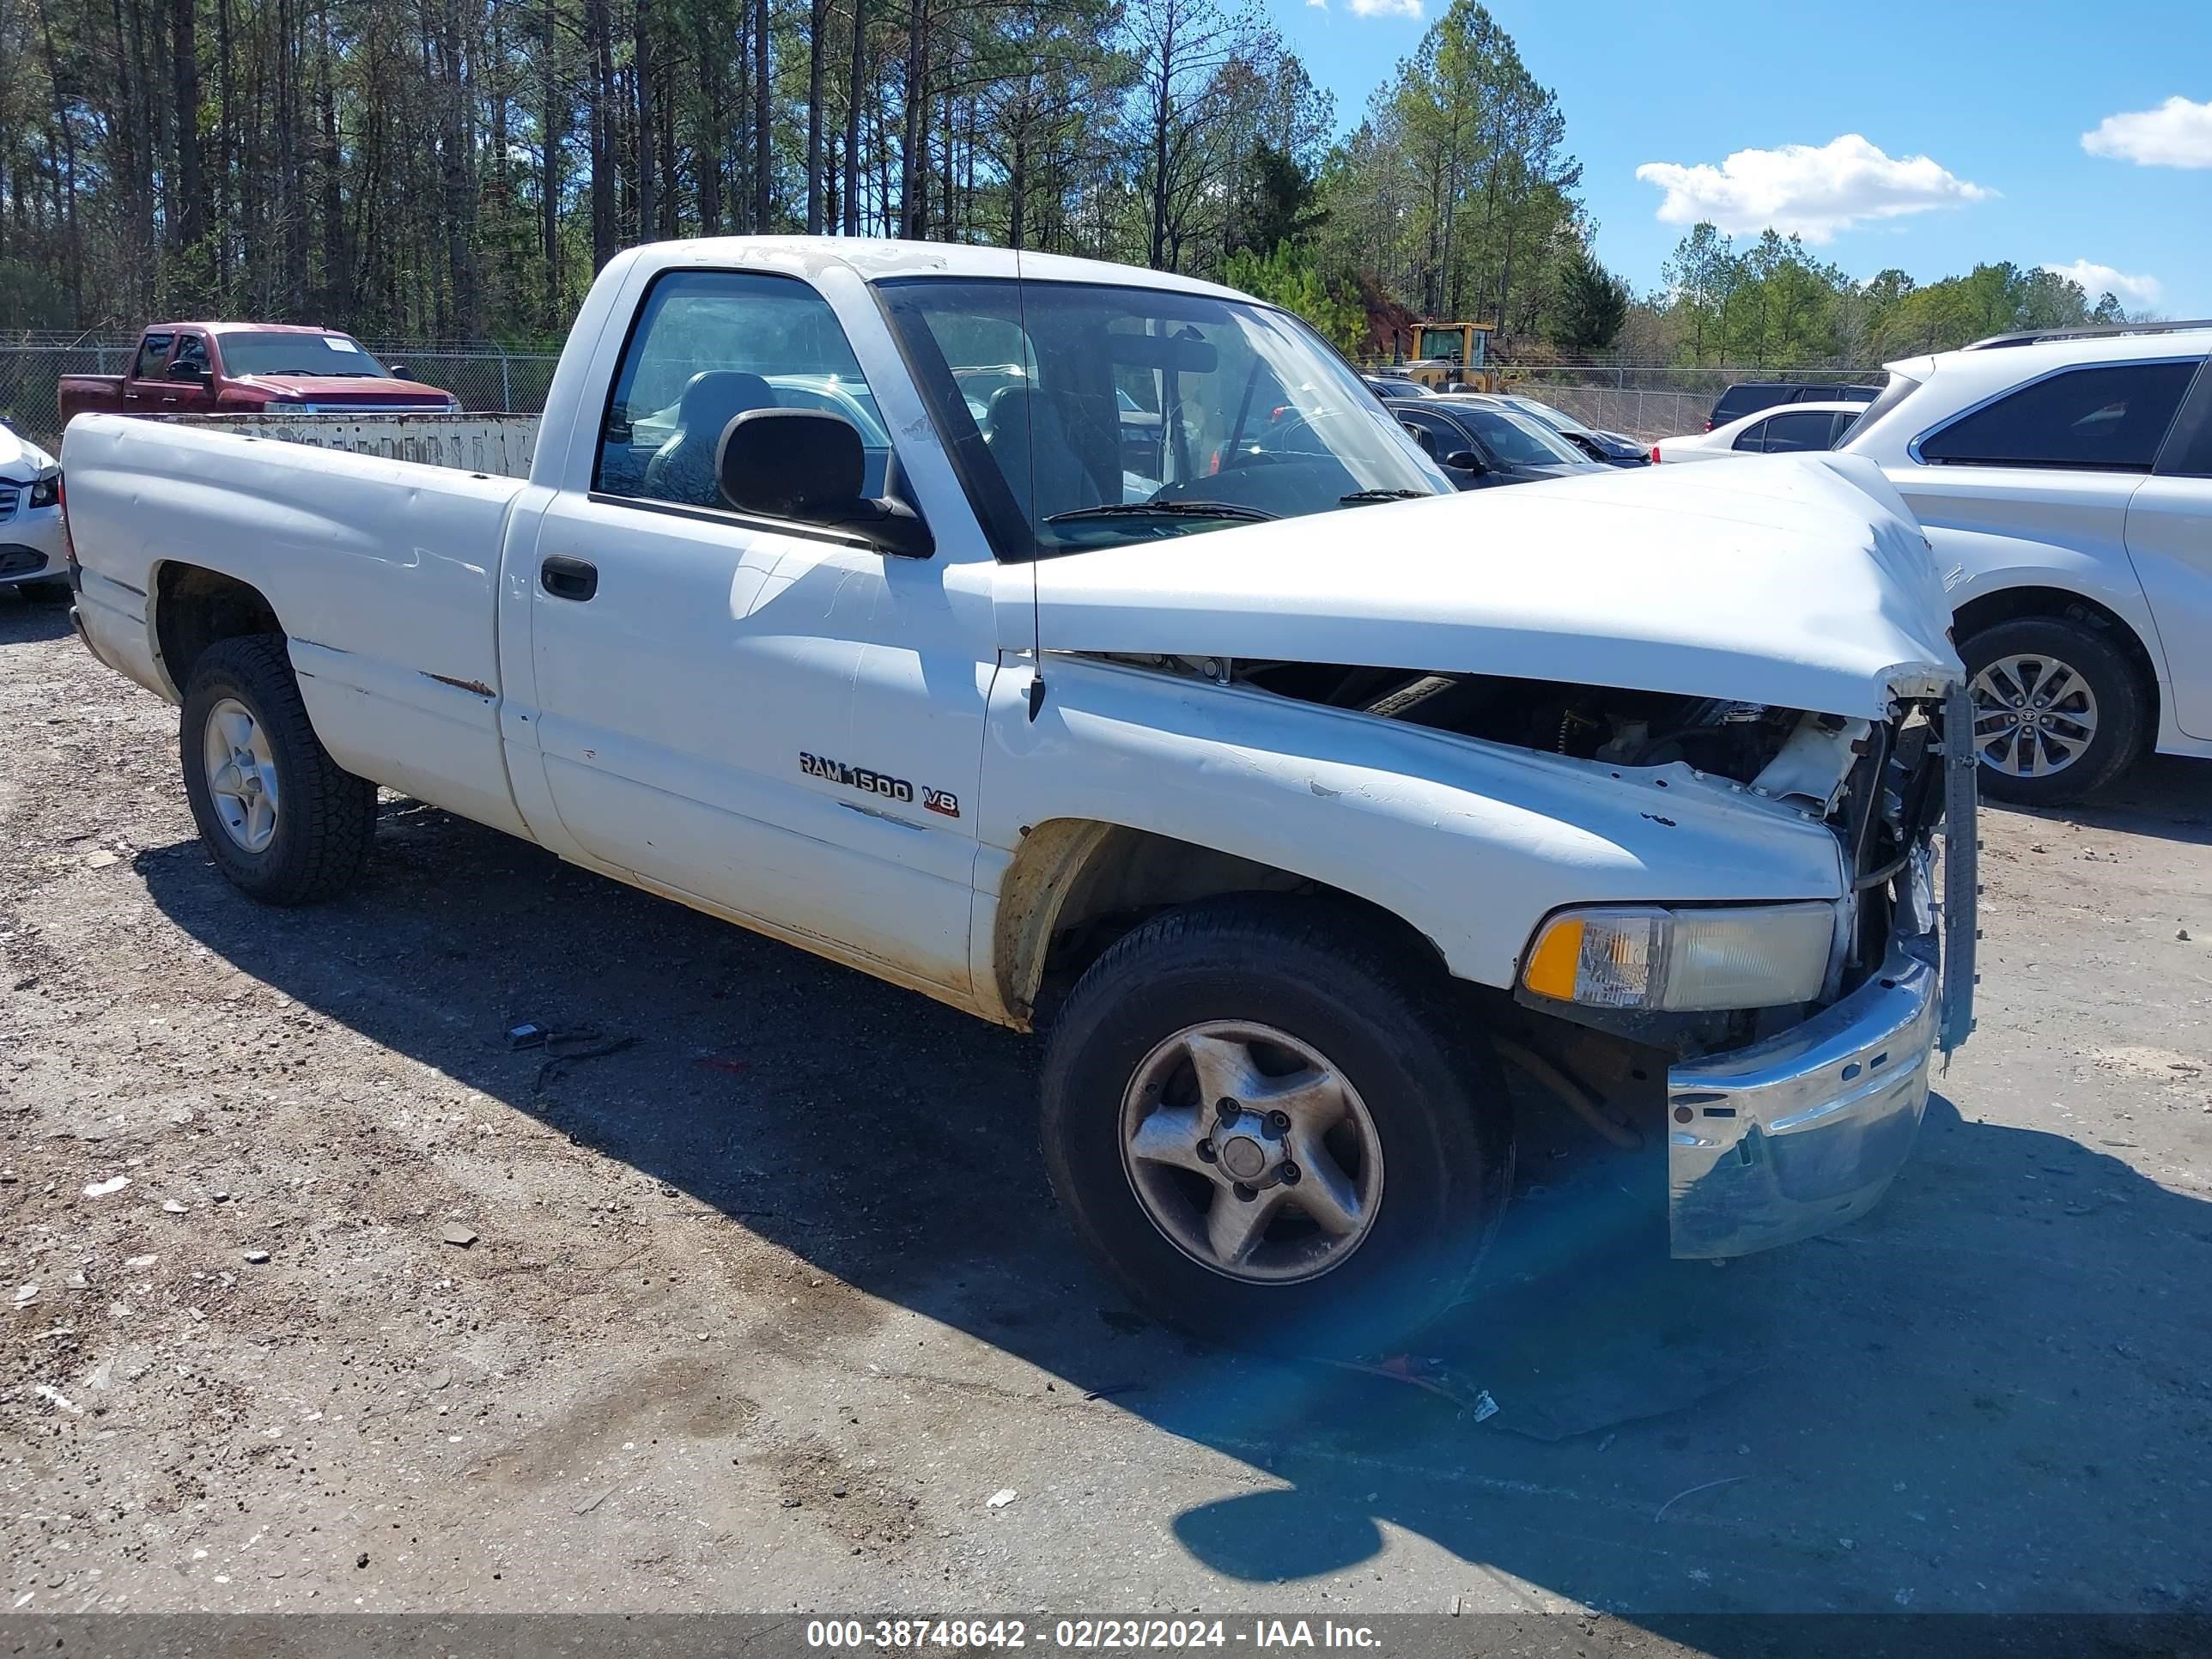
2059, 711
283, 821
1274, 1128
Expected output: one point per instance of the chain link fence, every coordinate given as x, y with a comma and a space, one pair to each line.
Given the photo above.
487, 378
1634, 412
1644, 403
1649, 402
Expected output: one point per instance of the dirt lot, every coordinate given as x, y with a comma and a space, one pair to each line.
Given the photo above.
766, 1310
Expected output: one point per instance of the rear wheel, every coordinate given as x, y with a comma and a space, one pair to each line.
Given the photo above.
283, 821
1272, 1123
2059, 711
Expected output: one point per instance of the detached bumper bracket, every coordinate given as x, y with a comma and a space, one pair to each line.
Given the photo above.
1961, 858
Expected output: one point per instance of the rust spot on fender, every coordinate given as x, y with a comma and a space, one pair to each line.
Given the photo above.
476, 687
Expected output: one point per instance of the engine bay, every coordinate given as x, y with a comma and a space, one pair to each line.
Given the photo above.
1737, 741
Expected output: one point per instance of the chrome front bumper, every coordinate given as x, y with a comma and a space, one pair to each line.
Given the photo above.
1799, 1133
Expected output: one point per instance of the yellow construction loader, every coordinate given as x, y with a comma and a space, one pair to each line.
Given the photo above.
1452, 356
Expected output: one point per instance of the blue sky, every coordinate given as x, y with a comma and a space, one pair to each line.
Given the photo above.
1973, 117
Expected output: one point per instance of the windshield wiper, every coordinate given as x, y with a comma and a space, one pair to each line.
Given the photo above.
1173, 509
1361, 497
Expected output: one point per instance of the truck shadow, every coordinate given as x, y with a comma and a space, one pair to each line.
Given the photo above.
1966, 1401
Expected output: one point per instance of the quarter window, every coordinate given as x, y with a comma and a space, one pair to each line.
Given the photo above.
2188, 451
2111, 418
709, 346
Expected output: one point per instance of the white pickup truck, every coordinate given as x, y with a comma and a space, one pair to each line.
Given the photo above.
1084, 647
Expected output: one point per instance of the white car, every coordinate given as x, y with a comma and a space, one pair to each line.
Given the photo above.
34, 557
1267, 800
2064, 481
1786, 429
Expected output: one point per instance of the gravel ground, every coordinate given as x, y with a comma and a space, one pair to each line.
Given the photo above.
772, 1310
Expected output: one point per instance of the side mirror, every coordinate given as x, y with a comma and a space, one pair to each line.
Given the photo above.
193, 372
1422, 436
395, 371
1467, 461
808, 465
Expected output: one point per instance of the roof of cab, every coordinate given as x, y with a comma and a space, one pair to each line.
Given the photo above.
877, 261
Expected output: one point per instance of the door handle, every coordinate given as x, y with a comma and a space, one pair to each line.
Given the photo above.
565, 578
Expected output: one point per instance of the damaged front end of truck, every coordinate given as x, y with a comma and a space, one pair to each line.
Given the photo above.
1688, 676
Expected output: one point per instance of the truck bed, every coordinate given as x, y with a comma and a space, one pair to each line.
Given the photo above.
384, 572
497, 446
87, 394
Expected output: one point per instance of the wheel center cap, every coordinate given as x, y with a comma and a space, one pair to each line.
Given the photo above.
1244, 1158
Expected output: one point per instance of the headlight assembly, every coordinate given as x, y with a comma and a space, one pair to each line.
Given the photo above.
1677, 961
46, 489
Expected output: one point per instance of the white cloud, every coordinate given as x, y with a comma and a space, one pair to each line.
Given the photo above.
1319, 5
1386, 9
1814, 192
2097, 280
2177, 134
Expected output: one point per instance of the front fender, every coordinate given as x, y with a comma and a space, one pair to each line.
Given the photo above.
1470, 844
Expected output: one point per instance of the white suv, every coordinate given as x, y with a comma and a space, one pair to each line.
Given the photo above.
2065, 482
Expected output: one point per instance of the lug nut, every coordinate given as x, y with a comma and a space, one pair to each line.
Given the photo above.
1247, 1194
1289, 1174
1205, 1151
1226, 1110
1279, 1123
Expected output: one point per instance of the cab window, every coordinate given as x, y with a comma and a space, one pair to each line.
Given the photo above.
707, 347
1436, 436
153, 352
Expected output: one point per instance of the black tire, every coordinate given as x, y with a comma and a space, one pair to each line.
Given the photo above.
47, 590
2123, 704
327, 816
1384, 1018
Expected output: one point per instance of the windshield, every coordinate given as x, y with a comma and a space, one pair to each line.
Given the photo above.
1125, 414
297, 354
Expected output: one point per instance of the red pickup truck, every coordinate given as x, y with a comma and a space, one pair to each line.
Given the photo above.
249, 368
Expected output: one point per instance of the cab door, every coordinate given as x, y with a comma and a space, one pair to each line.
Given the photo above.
188, 382
775, 720
143, 385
